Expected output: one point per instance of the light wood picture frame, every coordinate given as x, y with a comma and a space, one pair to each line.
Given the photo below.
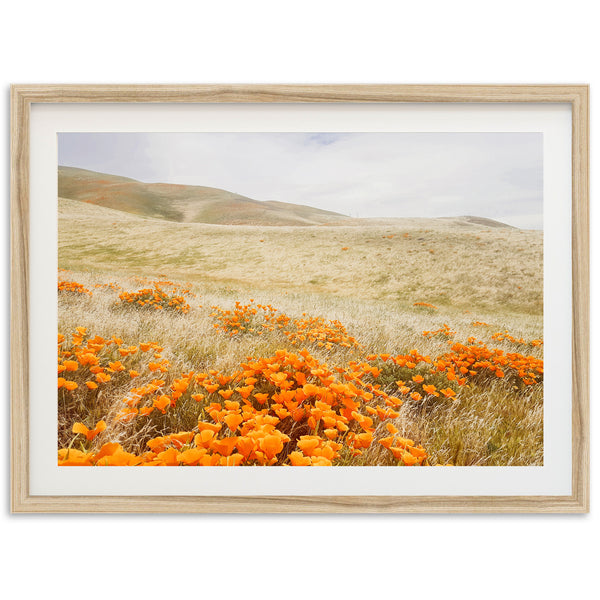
22, 304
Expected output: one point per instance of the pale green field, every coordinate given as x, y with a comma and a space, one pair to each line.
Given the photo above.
469, 272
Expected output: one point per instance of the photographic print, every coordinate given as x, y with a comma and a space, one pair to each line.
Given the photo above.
300, 299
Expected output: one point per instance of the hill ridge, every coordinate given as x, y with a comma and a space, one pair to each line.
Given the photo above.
183, 203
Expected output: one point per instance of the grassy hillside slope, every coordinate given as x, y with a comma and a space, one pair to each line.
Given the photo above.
461, 268
183, 203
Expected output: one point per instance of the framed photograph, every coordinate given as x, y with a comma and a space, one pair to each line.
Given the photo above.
300, 298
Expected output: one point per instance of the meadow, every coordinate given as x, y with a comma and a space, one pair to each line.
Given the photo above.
400, 342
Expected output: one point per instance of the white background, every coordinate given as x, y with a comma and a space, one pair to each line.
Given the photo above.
298, 556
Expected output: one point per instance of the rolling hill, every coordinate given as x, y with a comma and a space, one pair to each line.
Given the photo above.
184, 203
198, 204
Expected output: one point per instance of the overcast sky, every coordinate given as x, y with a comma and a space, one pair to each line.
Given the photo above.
496, 175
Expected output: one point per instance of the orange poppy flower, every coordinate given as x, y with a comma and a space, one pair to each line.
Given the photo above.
234, 460
397, 452
107, 449
244, 391
102, 377
418, 451
191, 457
408, 459
430, 389
161, 403
271, 445
245, 445
298, 414
261, 398
363, 440
331, 433
168, 457
297, 459
214, 427
225, 446
387, 442
391, 428
328, 421
403, 442
233, 421
308, 444
90, 434
203, 439
70, 457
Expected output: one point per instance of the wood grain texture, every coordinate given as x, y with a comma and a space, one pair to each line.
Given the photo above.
298, 93
580, 243
21, 98
300, 504
19, 287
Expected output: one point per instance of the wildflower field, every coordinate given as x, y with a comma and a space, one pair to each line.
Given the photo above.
408, 343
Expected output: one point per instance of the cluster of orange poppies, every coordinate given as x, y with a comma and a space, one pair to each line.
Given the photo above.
157, 298
425, 305
443, 331
258, 318
285, 409
320, 331
474, 358
289, 408
88, 362
73, 286
183, 288
417, 387
317, 418
115, 287
248, 318
504, 335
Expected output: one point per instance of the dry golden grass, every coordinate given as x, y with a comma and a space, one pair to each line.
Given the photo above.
467, 268
470, 273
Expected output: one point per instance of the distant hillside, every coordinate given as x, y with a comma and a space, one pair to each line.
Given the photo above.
464, 222
183, 203
197, 204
